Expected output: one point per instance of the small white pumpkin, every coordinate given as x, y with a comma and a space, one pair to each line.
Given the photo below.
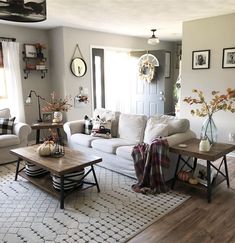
46, 148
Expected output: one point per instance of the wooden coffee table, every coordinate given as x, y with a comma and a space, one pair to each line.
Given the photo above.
72, 161
191, 150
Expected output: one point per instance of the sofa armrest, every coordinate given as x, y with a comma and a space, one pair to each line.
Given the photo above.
22, 130
180, 137
73, 127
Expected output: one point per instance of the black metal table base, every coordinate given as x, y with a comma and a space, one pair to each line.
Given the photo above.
63, 194
209, 165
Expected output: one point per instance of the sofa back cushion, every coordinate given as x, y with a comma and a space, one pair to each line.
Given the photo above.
108, 115
175, 125
154, 130
5, 113
132, 127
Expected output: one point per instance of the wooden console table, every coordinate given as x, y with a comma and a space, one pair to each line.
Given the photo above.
46, 125
217, 151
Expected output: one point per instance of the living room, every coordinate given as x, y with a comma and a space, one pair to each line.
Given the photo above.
214, 33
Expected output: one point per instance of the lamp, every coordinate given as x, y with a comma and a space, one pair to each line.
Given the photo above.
29, 101
18, 11
153, 40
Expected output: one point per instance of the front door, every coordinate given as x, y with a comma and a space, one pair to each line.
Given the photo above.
149, 99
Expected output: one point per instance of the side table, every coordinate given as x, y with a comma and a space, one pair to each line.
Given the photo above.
46, 125
217, 151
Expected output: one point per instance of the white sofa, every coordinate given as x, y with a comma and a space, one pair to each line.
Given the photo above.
19, 138
127, 131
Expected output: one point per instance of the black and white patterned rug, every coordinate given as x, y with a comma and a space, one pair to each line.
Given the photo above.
29, 215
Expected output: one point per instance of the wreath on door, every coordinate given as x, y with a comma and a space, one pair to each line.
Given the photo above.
147, 64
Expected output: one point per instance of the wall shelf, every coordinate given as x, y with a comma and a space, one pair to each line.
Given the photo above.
34, 60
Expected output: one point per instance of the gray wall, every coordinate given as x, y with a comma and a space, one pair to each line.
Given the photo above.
214, 34
60, 44
63, 41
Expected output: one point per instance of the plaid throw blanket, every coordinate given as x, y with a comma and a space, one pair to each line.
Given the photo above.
148, 162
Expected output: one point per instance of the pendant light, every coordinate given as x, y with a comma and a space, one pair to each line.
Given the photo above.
153, 40
23, 11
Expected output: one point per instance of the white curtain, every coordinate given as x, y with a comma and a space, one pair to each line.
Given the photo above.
120, 75
13, 79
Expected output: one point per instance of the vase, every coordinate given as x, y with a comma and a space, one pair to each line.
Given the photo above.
209, 130
58, 116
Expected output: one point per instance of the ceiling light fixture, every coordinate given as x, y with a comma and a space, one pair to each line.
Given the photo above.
153, 40
19, 11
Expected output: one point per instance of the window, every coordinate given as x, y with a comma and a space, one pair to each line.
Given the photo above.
98, 77
114, 76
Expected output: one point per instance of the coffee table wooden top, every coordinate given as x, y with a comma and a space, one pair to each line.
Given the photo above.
72, 160
217, 150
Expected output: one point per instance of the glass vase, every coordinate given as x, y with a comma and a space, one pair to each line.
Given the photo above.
209, 130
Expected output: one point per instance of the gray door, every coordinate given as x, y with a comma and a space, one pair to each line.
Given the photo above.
149, 99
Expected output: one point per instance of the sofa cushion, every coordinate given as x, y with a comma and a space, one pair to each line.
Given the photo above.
108, 115
110, 145
5, 113
175, 125
83, 139
154, 130
6, 125
125, 152
9, 140
132, 127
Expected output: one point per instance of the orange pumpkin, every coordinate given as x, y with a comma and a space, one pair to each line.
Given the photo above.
183, 175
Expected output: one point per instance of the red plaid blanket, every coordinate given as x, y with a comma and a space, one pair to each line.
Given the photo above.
148, 162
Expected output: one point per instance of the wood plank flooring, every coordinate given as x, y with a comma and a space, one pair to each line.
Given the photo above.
197, 221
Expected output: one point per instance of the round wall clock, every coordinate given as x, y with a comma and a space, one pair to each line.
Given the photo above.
78, 67
147, 64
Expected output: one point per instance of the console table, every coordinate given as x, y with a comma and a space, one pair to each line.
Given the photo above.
46, 125
217, 151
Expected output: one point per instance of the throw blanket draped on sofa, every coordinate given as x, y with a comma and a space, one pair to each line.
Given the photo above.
148, 162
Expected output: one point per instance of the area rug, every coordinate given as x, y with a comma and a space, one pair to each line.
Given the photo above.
116, 214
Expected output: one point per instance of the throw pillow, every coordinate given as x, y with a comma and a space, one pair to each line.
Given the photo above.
101, 128
6, 125
154, 130
88, 125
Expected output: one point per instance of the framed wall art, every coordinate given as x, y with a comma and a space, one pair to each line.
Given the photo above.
47, 117
201, 59
30, 50
228, 58
200, 174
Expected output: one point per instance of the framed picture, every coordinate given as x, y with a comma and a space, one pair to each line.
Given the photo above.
228, 58
47, 117
167, 64
201, 59
200, 174
30, 50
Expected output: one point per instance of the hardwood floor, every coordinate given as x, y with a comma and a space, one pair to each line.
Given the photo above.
197, 221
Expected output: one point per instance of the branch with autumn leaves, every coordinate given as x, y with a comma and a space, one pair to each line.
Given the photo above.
57, 104
219, 102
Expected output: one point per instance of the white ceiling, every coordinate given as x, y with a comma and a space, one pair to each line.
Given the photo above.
131, 17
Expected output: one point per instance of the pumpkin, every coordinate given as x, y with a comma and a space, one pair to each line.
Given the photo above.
193, 181
46, 148
184, 175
